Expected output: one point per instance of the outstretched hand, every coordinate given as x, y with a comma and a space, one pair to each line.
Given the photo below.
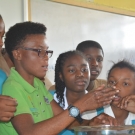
98, 98
7, 108
103, 119
128, 103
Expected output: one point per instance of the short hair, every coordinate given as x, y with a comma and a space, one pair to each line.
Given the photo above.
59, 84
88, 44
122, 64
17, 34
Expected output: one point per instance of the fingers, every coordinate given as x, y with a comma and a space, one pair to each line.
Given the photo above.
108, 120
8, 101
105, 96
125, 101
7, 108
6, 116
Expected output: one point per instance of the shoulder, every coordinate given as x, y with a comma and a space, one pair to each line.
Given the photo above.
100, 82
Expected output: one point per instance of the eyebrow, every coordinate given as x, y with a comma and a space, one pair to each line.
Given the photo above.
97, 56
75, 65
42, 47
121, 78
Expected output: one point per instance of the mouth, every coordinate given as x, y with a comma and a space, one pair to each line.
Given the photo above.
94, 72
117, 98
45, 68
81, 82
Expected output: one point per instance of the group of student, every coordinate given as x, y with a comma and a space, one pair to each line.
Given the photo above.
27, 107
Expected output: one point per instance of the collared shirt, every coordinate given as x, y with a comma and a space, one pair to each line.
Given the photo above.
65, 99
34, 100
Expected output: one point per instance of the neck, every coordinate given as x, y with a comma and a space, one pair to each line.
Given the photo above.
73, 96
120, 114
25, 76
91, 85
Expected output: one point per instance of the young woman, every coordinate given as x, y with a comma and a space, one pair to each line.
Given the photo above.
95, 55
37, 112
122, 107
72, 76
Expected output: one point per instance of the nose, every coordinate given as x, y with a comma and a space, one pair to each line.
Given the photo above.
46, 58
94, 62
79, 73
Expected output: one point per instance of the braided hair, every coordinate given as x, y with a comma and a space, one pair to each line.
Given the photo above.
59, 84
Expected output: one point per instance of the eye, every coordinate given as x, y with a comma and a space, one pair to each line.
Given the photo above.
89, 59
111, 82
71, 70
99, 59
126, 84
84, 69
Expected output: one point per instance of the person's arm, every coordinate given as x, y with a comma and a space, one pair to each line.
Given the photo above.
25, 125
7, 108
128, 103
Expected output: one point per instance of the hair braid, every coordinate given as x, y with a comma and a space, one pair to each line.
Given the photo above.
59, 84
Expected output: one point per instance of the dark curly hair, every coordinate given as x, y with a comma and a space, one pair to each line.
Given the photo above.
122, 64
88, 44
59, 84
17, 34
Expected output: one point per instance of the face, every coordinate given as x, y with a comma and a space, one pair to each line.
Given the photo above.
29, 61
125, 82
76, 74
2, 32
95, 58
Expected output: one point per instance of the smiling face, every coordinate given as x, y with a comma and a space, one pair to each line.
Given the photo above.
75, 74
95, 58
124, 79
2, 32
30, 64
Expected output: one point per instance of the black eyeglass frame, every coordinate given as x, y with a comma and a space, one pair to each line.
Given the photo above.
38, 51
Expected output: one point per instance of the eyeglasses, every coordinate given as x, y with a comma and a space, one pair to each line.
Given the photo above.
41, 53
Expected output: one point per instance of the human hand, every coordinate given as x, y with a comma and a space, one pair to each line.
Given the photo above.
98, 98
103, 119
128, 103
7, 107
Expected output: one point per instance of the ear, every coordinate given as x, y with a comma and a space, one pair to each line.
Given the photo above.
17, 54
61, 77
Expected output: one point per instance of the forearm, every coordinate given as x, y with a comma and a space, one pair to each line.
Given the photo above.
47, 127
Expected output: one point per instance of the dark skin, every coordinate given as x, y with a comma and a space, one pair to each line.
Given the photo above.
76, 76
23, 123
124, 79
7, 104
95, 58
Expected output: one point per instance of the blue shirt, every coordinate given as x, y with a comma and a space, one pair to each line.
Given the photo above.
3, 77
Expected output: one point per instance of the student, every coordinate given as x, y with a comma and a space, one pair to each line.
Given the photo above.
122, 107
72, 76
94, 53
37, 112
7, 104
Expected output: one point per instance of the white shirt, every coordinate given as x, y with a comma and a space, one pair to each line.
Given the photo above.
65, 99
130, 120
